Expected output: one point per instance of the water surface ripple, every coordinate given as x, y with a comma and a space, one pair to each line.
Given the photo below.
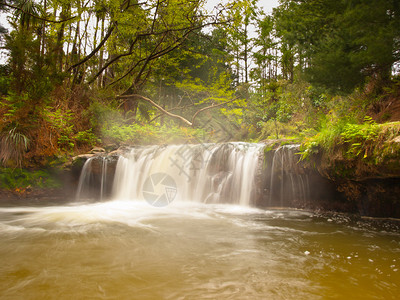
130, 250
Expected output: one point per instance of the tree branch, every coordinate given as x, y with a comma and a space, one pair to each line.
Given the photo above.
168, 113
158, 107
209, 107
177, 43
172, 109
112, 60
91, 54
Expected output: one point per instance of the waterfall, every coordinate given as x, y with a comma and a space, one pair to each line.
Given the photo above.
205, 173
288, 182
209, 173
93, 175
84, 179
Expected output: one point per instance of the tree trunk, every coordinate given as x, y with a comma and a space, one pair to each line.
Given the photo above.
245, 58
100, 82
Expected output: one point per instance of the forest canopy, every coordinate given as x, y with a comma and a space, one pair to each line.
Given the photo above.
113, 72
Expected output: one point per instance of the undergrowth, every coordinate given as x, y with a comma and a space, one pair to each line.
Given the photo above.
367, 141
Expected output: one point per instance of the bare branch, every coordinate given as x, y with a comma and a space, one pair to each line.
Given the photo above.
209, 107
168, 113
91, 54
157, 106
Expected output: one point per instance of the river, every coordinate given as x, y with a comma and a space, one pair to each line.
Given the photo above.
132, 250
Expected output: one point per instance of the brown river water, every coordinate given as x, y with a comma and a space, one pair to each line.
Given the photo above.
131, 250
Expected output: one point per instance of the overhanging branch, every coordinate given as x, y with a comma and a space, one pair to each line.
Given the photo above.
168, 113
210, 107
90, 55
158, 107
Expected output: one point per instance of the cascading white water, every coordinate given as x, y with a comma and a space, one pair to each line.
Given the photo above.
84, 179
287, 183
203, 173
210, 173
88, 177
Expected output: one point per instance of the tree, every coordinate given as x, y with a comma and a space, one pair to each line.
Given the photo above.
265, 56
240, 17
341, 43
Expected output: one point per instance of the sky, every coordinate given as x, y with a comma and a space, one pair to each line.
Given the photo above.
268, 5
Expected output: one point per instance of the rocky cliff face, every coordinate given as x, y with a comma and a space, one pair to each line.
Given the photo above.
371, 186
289, 182
335, 182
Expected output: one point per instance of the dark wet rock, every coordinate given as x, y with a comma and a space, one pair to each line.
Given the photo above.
333, 183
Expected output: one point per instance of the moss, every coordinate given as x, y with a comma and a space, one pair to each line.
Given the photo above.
269, 148
343, 170
13, 179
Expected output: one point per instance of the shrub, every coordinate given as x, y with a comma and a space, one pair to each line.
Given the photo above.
13, 145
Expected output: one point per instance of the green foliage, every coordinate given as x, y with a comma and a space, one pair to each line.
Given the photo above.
103, 116
273, 129
86, 137
62, 122
357, 136
354, 141
341, 43
135, 134
18, 179
325, 139
288, 107
317, 96
56, 98
284, 112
